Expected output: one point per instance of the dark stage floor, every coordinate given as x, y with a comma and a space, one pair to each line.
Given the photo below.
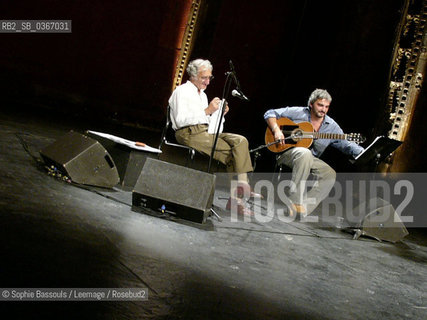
56, 235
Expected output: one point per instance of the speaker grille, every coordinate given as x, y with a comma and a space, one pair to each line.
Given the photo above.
380, 220
82, 159
189, 192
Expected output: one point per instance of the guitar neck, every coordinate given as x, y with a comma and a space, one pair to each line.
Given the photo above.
323, 135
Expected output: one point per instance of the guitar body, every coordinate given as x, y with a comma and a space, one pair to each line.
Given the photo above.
294, 135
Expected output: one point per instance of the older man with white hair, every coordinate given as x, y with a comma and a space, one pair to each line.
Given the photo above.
191, 114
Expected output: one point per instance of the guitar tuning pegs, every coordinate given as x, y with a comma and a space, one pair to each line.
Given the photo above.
356, 138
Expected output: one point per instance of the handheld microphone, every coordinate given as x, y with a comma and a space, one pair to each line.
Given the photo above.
239, 94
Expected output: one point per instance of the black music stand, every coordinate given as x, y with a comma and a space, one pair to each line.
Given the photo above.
377, 151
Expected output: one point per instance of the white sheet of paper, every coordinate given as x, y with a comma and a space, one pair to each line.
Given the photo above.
213, 124
129, 143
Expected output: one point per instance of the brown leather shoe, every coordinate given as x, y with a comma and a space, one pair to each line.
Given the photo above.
239, 205
297, 211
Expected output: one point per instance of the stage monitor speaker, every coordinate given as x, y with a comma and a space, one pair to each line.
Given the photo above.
380, 220
180, 191
83, 159
128, 162
134, 167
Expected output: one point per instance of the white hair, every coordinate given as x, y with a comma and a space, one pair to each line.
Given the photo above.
195, 65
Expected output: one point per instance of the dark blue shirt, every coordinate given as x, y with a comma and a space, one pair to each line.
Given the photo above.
301, 114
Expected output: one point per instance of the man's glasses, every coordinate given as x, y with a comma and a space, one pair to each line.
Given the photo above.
207, 78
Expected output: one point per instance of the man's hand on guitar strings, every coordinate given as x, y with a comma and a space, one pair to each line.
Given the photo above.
279, 137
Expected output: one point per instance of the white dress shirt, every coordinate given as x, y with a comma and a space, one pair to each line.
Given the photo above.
188, 106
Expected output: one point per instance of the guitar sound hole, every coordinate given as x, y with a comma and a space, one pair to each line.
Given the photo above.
297, 135
289, 132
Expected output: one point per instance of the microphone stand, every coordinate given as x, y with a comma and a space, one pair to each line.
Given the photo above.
225, 93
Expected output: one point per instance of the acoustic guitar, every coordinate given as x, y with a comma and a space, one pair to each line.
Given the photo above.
302, 135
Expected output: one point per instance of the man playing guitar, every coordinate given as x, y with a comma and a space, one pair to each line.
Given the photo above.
303, 161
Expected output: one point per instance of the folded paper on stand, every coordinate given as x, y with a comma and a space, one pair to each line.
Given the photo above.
128, 143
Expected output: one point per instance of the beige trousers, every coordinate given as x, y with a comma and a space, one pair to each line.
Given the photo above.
303, 163
231, 149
